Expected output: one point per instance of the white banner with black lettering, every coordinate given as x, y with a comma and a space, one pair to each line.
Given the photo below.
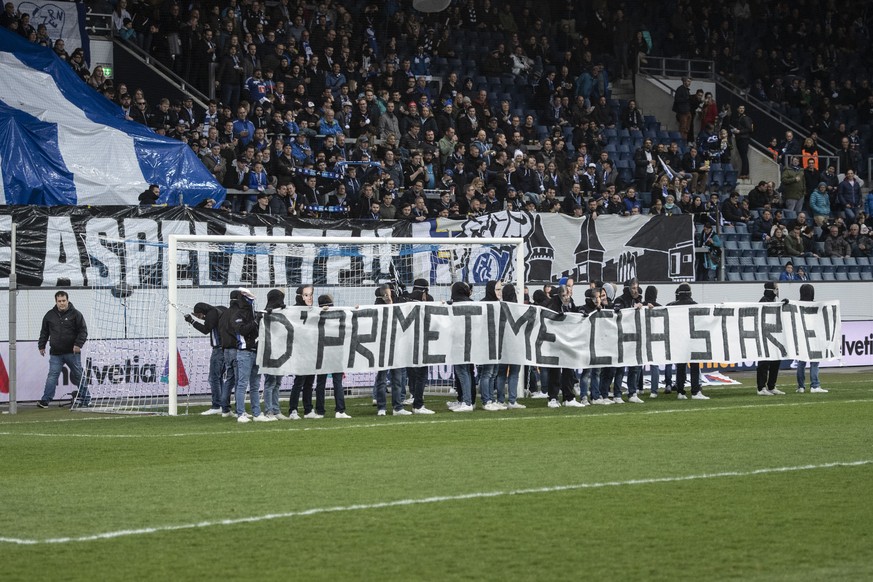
312, 341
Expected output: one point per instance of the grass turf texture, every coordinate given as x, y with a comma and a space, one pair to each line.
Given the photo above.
88, 477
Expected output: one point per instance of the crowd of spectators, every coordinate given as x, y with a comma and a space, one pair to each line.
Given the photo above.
300, 88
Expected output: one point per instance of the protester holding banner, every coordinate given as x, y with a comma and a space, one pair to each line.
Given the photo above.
630, 299
463, 372
275, 300
245, 328
418, 375
683, 297
339, 396
210, 316
589, 382
64, 329
303, 298
807, 293
385, 296
562, 378
650, 299
768, 370
488, 372
507, 374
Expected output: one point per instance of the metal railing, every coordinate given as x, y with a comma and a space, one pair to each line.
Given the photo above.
98, 24
668, 67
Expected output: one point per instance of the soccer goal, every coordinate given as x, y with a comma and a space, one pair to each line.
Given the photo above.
147, 358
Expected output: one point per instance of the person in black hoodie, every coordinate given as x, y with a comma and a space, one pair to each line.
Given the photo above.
210, 316
507, 374
488, 372
64, 329
275, 300
245, 327
463, 372
650, 300
562, 379
768, 370
590, 380
228, 347
683, 297
385, 296
629, 299
807, 293
418, 375
303, 298
339, 395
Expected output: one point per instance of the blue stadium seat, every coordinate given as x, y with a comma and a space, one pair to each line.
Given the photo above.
741, 227
677, 137
732, 276
815, 276
841, 276
610, 133
760, 263
728, 229
750, 276
623, 133
774, 262
828, 276
611, 148
854, 276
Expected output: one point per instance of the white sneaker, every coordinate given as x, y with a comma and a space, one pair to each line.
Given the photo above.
263, 418
452, 404
636, 399
584, 401
491, 407
341, 415
401, 412
554, 403
777, 392
374, 402
243, 419
210, 412
516, 406
818, 390
699, 396
764, 392
408, 401
313, 414
280, 416
380, 413
573, 403
600, 402
270, 415
463, 408
227, 414
681, 396
248, 415
539, 394
801, 390
293, 415
653, 394
501, 405
422, 410
617, 400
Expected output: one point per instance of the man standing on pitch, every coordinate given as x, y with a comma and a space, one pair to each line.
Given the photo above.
768, 370
64, 329
210, 315
683, 297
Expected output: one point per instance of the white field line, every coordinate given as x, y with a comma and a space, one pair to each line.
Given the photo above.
423, 501
632, 410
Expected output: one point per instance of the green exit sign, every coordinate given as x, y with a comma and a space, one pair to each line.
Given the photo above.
107, 71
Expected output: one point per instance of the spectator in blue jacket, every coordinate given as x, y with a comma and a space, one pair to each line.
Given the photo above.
243, 129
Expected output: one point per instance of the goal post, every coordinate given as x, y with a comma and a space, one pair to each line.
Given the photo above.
352, 266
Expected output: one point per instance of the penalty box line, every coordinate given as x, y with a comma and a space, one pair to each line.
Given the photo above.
455, 420
424, 501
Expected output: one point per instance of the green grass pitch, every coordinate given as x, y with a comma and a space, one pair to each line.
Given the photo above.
738, 487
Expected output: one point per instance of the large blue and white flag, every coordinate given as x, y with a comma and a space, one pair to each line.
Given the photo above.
62, 143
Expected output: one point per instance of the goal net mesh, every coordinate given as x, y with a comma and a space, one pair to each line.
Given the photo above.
127, 352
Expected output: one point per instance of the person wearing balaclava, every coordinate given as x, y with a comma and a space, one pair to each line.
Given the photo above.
275, 300
461, 293
418, 374
562, 379
650, 300
767, 371
683, 297
228, 347
590, 379
245, 326
339, 396
303, 298
807, 293
507, 374
629, 299
488, 372
210, 316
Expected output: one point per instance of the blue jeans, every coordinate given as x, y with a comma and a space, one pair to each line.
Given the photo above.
56, 364
502, 382
487, 377
589, 383
544, 379
634, 375
271, 393
401, 378
230, 378
462, 373
216, 371
813, 374
339, 395
247, 379
383, 379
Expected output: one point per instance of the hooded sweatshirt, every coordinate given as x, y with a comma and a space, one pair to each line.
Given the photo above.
210, 322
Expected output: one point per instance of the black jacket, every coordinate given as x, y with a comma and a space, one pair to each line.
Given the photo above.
63, 330
683, 301
210, 322
626, 301
245, 325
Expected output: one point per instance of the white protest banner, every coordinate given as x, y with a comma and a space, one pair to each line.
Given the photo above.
311, 341
62, 20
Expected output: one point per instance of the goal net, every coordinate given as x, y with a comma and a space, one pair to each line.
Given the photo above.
147, 358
